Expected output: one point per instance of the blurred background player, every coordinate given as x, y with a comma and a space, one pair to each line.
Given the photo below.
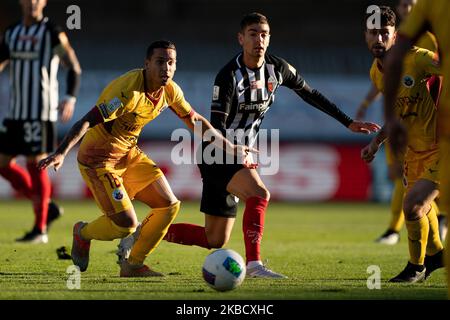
417, 111
117, 171
426, 15
243, 92
33, 47
392, 235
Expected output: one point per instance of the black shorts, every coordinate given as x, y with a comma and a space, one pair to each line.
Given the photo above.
27, 138
216, 200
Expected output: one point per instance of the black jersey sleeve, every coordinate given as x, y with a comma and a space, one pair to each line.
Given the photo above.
293, 80
4, 50
319, 101
222, 99
290, 76
55, 30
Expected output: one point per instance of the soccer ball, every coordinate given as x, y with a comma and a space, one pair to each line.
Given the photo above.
224, 270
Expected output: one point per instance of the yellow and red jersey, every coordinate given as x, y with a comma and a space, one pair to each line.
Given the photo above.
428, 41
414, 104
434, 15
126, 109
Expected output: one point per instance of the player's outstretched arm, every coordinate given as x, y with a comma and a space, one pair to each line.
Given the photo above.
319, 101
74, 135
220, 141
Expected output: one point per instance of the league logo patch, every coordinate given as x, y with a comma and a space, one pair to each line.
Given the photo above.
216, 91
113, 105
408, 81
117, 194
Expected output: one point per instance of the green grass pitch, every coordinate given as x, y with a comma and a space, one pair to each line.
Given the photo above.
325, 249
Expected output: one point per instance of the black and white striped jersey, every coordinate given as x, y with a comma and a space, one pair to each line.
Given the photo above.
242, 96
33, 70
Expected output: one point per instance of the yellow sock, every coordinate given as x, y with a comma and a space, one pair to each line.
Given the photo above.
398, 218
417, 239
104, 229
153, 229
434, 244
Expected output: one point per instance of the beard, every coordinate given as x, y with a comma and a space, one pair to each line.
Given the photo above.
378, 52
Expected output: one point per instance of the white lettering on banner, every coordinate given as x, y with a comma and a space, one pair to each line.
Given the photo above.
306, 172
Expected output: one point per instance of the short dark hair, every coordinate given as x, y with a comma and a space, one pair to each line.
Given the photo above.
387, 17
252, 18
164, 44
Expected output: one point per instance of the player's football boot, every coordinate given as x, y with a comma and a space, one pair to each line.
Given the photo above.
390, 237
125, 245
80, 247
34, 236
54, 212
128, 270
442, 220
434, 262
411, 274
261, 271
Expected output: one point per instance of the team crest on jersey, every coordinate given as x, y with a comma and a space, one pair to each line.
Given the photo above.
408, 81
271, 83
216, 90
117, 194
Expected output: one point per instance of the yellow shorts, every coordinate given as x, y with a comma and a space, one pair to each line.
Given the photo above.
114, 188
421, 165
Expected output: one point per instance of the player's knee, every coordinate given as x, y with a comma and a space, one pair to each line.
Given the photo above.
414, 209
173, 209
263, 192
124, 231
217, 243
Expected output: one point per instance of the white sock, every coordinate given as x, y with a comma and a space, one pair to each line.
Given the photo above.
253, 264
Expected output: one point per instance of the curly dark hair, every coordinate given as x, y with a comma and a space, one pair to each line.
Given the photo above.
387, 15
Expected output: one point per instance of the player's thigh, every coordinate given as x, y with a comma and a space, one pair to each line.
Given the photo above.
107, 187
218, 229
247, 183
419, 197
158, 194
145, 182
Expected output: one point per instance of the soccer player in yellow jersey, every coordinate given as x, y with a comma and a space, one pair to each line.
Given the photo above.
392, 235
117, 171
415, 108
434, 15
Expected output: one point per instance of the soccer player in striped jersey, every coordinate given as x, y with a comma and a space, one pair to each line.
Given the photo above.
117, 171
34, 47
392, 235
426, 15
415, 108
243, 92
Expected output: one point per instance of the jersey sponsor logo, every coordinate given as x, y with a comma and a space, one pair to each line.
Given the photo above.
216, 90
25, 55
109, 108
408, 81
252, 107
117, 194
